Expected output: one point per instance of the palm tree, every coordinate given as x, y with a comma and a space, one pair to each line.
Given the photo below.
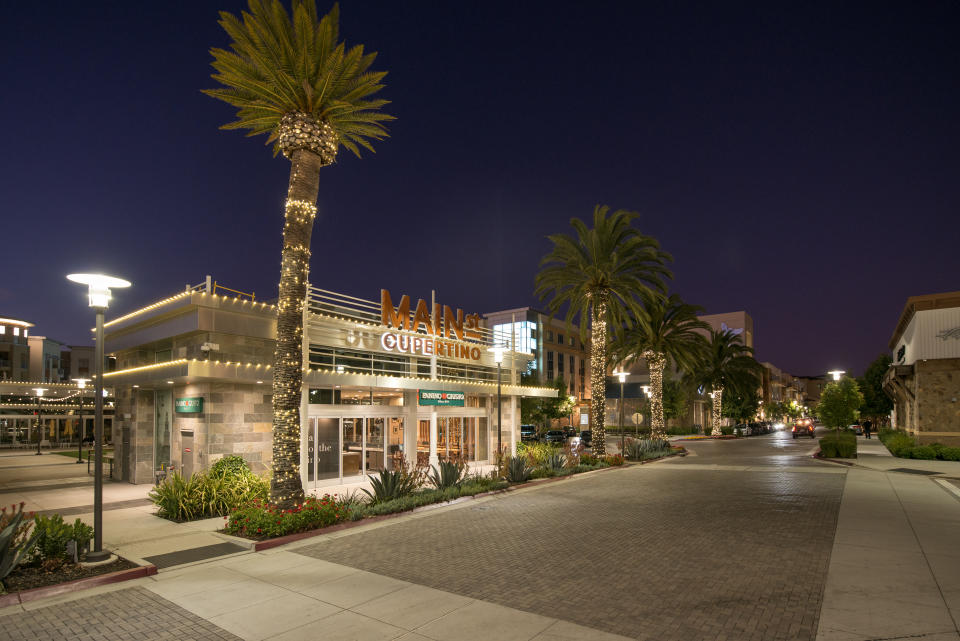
669, 330
602, 273
728, 364
291, 78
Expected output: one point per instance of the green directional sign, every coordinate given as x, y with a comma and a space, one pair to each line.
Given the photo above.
439, 397
189, 405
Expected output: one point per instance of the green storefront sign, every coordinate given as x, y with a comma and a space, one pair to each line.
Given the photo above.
439, 397
190, 405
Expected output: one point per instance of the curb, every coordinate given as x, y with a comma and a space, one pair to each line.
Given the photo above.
268, 544
16, 598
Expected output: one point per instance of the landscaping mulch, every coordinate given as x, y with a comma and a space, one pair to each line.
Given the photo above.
27, 577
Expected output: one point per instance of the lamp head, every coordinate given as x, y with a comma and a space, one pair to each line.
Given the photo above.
836, 373
497, 351
621, 376
81, 382
39, 391
98, 287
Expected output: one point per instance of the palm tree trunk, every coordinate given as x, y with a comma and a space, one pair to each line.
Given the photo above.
656, 362
717, 405
598, 370
286, 488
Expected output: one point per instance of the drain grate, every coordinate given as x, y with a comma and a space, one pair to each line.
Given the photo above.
193, 554
907, 470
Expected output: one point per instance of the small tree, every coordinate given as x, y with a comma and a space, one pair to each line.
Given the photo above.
741, 407
839, 403
540, 411
676, 399
876, 403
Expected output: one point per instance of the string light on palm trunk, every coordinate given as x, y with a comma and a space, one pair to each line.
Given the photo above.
656, 362
717, 396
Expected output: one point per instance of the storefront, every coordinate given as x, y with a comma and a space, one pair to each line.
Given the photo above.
384, 383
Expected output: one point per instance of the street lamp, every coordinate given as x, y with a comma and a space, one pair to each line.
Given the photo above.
836, 373
498, 359
622, 376
39, 392
98, 292
81, 385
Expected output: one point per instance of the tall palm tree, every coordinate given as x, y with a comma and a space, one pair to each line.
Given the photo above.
602, 274
728, 364
669, 330
290, 77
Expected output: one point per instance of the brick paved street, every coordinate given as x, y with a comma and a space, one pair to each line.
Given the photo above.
666, 551
133, 614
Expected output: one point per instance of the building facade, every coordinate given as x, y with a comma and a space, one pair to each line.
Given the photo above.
924, 379
14, 349
45, 359
384, 383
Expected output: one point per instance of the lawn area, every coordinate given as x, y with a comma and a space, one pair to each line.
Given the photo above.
73, 453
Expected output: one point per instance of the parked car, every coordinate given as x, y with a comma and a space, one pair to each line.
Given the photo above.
569, 431
803, 427
856, 429
742, 429
528, 433
556, 437
586, 437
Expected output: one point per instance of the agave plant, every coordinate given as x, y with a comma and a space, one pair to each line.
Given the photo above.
449, 474
638, 450
391, 484
518, 469
555, 462
14, 543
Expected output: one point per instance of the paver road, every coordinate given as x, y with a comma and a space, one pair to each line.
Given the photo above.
667, 551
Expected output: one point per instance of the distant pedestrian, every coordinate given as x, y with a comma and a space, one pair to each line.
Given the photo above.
867, 426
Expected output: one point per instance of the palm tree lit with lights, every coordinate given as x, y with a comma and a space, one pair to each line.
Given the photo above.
602, 274
291, 78
670, 330
728, 365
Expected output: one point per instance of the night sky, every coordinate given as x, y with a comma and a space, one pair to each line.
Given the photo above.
799, 161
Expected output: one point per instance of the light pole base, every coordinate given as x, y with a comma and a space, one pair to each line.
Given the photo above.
96, 557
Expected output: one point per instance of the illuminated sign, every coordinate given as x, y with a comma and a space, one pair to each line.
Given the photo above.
448, 324
406, 344
439, 397
192, 405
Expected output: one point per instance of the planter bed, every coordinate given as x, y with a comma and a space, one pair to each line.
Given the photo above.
33, 582
269, 543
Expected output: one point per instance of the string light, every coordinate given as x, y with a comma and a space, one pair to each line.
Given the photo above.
598, 368
717, 400
176, 297
656, 362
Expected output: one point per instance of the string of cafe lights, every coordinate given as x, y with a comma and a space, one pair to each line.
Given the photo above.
176, 297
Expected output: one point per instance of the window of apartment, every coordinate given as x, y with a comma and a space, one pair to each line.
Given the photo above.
16, 331
549, 366
559, 339
3, 329
573, 342
560, 364
571, 366
549, 336
163, 355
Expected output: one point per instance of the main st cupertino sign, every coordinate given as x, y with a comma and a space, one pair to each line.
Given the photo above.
439, 324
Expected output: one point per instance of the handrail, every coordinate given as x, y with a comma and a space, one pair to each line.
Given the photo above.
216, 286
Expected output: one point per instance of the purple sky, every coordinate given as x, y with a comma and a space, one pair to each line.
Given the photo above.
800, 162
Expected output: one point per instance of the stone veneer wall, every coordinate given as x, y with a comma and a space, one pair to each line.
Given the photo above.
938, 400
133, 434
241, 422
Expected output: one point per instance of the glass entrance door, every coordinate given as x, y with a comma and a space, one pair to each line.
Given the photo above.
373, 453
323, 449
352, 448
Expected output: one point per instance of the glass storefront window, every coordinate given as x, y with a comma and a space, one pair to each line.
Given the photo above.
482, 439
423, 441
391, 397
374, 447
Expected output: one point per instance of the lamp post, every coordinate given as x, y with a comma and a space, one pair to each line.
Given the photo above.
81, 385
573, 403
39, 392
98, 292
836, 373
498, 359
622, 376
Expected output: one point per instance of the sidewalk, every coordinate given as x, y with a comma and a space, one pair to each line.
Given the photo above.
895, 566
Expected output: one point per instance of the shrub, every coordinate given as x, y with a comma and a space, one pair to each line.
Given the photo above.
260, 520
391, 484
950, 453
726, 430
207, 494
16, 542
52, 535
518, 470
923, 452
843, 445
899, 443
537, 453
230, 465
450, 474
587, 458
541, 472
613, 459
